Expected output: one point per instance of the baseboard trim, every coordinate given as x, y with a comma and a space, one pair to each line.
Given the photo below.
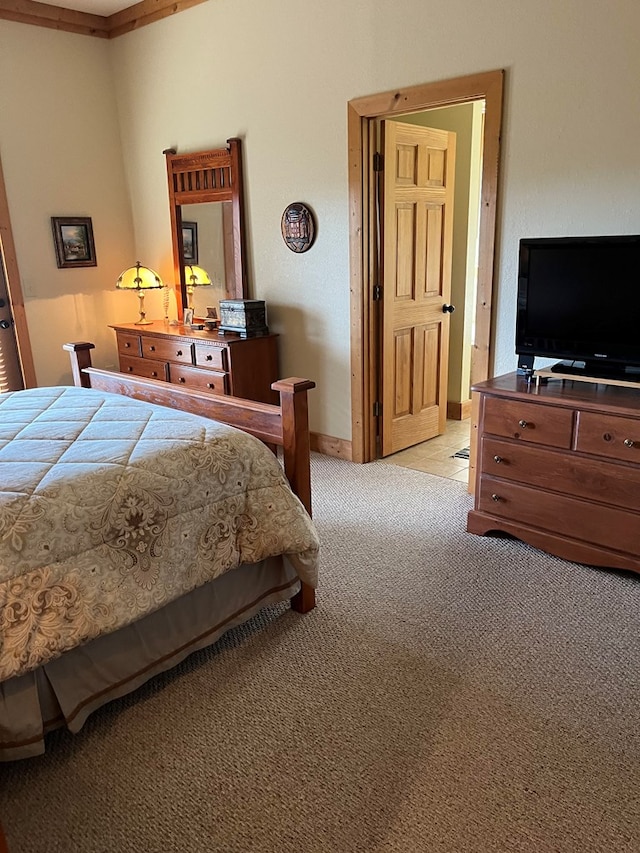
459, 411
340, 448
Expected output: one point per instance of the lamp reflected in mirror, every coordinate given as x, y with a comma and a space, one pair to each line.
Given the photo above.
139, 278
194, 276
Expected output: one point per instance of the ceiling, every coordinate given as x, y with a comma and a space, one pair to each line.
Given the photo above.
93, 7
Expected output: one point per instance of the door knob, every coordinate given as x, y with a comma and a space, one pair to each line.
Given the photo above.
448, 309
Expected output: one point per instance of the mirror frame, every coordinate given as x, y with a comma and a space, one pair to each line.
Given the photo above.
203, 177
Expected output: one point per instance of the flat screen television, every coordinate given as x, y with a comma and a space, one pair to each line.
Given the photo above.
579, 301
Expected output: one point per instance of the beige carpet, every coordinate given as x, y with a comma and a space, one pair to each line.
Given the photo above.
449, 693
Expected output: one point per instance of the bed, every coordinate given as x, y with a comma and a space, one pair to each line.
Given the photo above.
138, 522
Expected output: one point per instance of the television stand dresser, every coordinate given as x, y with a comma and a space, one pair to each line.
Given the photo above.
202, 360
558, 466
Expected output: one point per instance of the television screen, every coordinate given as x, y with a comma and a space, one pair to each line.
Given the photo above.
579, 300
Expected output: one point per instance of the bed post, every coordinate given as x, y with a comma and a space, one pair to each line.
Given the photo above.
80, 355
295, 434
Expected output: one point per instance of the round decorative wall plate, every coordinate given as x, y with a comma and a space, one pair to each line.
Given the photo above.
298, 227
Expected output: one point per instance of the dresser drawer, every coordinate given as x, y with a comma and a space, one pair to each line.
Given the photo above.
129, 345
605, 526
555, 470
147, 367
528, 422
209, 356
193, 377
167, 350
609, 435
244, 367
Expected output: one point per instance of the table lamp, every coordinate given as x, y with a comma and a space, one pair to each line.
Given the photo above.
139, 278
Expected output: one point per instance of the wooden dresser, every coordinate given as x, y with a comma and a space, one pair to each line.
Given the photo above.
558, 466
224, 364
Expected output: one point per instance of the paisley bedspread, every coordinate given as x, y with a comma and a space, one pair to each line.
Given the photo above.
111, 507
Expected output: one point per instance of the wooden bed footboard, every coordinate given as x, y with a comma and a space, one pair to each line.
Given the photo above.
285, 426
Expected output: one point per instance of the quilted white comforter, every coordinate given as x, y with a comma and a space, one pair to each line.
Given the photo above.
111, 507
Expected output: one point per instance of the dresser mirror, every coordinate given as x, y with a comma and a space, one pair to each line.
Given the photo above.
207, 227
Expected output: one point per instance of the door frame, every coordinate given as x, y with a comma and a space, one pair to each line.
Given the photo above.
14, 289
361, 116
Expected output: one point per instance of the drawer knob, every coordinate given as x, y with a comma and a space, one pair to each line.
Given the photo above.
154, 373
130, 369
181, 379
127, 345
152, 348
497, 459
209, 384
523, 424
496, 498
179, 352
209, 357
628, 442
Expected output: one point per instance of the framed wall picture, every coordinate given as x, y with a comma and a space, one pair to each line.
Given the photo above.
190, 242
73, 240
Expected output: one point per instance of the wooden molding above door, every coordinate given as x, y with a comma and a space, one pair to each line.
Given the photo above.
361, 114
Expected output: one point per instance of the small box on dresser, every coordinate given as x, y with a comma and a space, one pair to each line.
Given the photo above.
246, 317
558, 466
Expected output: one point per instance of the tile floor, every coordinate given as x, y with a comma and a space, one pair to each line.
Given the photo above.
436, 456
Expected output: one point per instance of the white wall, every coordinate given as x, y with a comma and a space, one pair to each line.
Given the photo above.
61, 156
279, 75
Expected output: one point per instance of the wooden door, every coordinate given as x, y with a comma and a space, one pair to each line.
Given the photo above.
416, 241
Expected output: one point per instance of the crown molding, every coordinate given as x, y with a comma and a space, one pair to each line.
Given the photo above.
98, 26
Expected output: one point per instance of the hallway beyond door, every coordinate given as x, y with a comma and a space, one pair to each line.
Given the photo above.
437, 456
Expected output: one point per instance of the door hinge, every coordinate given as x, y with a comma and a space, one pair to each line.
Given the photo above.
378, 162
377, 292
377, 409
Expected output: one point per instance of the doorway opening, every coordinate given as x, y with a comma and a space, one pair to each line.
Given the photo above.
364, 114
17, 370
10, 370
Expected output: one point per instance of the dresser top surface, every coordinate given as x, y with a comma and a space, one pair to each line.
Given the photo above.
159, 328
571, 393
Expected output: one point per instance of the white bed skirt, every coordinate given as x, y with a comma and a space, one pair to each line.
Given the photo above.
65, 691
